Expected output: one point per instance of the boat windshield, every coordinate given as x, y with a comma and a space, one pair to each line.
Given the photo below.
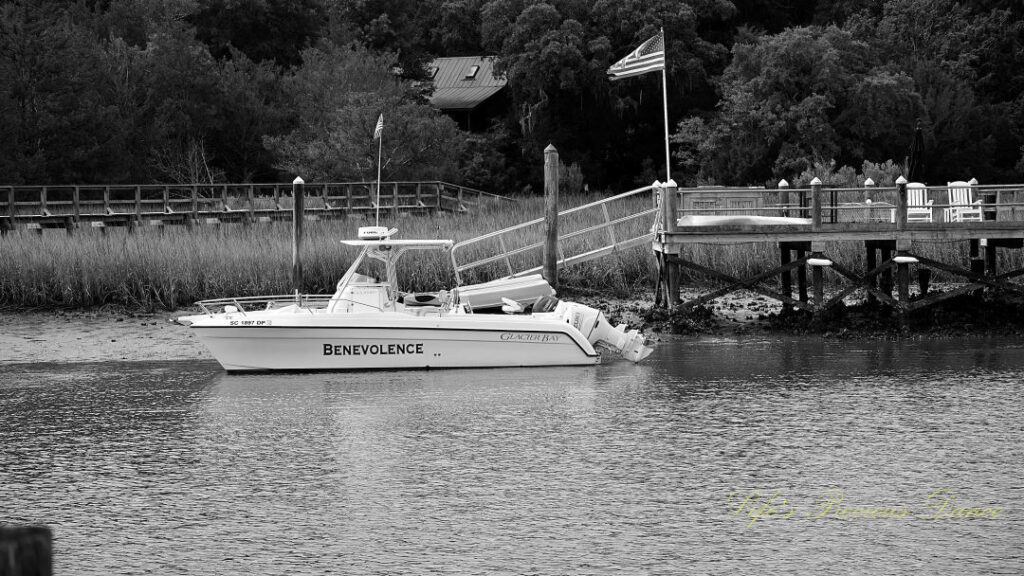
388, 252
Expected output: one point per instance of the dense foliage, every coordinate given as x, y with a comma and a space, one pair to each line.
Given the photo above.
229, 90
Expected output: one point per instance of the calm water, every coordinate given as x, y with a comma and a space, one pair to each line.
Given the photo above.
728, 458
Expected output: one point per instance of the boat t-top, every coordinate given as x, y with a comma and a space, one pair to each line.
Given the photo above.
369, 324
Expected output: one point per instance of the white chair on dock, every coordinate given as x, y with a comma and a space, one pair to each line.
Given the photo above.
919, 207
962, 206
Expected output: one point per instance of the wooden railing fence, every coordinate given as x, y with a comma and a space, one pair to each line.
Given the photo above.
70, 207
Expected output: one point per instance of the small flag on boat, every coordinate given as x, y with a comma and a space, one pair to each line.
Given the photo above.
649, 57
380, 127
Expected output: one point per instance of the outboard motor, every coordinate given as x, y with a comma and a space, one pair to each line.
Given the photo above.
631, 344
545, 304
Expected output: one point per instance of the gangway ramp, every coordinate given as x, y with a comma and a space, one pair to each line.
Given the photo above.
585, 232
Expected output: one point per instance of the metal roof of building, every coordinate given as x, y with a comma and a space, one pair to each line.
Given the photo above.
458, 87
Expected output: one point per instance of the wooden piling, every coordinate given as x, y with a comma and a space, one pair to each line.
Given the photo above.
885, 281
901, 204
785, 256
903, 247
670, 205
818, 278
801, 276
550, 264
784, 196
990, 257
26, 550
11, 212
871, 259
670, 219
903, 282
816, 204
298, 216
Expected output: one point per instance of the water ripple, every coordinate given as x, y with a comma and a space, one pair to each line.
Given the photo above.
727, 456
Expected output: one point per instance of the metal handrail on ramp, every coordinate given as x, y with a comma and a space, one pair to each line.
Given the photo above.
613, 224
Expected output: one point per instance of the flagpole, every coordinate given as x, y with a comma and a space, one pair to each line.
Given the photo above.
664, 101
380, 147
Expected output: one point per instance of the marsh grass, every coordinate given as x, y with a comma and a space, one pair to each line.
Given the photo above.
166, 268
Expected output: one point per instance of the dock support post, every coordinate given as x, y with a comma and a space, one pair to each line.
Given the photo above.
787, 276
885, 282
818, 262
76, 201
298, 216
871, 263
4, 229
977, 262
801, 276
901, 204
26, 550
903, 272
784, 197
816, 204
787, 251
670, 220
924, 277
550, 265
903, 282
990, 257
818, 277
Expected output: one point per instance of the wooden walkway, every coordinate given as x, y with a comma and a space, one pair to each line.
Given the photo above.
585, 232
878, 217
669, 219
73, 207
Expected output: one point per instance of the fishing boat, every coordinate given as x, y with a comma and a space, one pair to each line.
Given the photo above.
369, 324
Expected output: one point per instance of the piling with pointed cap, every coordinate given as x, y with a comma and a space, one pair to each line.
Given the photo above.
298, 216
785, 251
784, 196
901, 203
670, 204
550, 264
816, 204
670, 217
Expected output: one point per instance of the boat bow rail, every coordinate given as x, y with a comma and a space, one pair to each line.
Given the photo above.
244, 304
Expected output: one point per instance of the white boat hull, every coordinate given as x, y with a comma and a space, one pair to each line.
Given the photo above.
369, 324
366, 344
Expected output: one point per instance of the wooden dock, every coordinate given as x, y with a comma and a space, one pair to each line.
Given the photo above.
803, 223
877, 217
73, 207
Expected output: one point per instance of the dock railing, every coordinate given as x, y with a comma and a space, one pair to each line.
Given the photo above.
73, 206
585, 232
872, 204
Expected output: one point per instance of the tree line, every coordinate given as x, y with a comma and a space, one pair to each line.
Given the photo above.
139, 91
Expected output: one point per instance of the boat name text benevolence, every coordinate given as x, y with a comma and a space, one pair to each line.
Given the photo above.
371, 349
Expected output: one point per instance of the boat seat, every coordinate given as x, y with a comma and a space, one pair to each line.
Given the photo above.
422, 299
545, 304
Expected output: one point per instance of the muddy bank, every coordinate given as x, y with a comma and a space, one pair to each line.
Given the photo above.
750, 313
94, 336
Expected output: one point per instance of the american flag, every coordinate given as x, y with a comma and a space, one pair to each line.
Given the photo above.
649, 57
380, 127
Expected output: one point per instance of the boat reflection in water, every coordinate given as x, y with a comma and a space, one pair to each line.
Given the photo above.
619, 468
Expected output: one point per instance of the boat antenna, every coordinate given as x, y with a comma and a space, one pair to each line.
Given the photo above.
378, 134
